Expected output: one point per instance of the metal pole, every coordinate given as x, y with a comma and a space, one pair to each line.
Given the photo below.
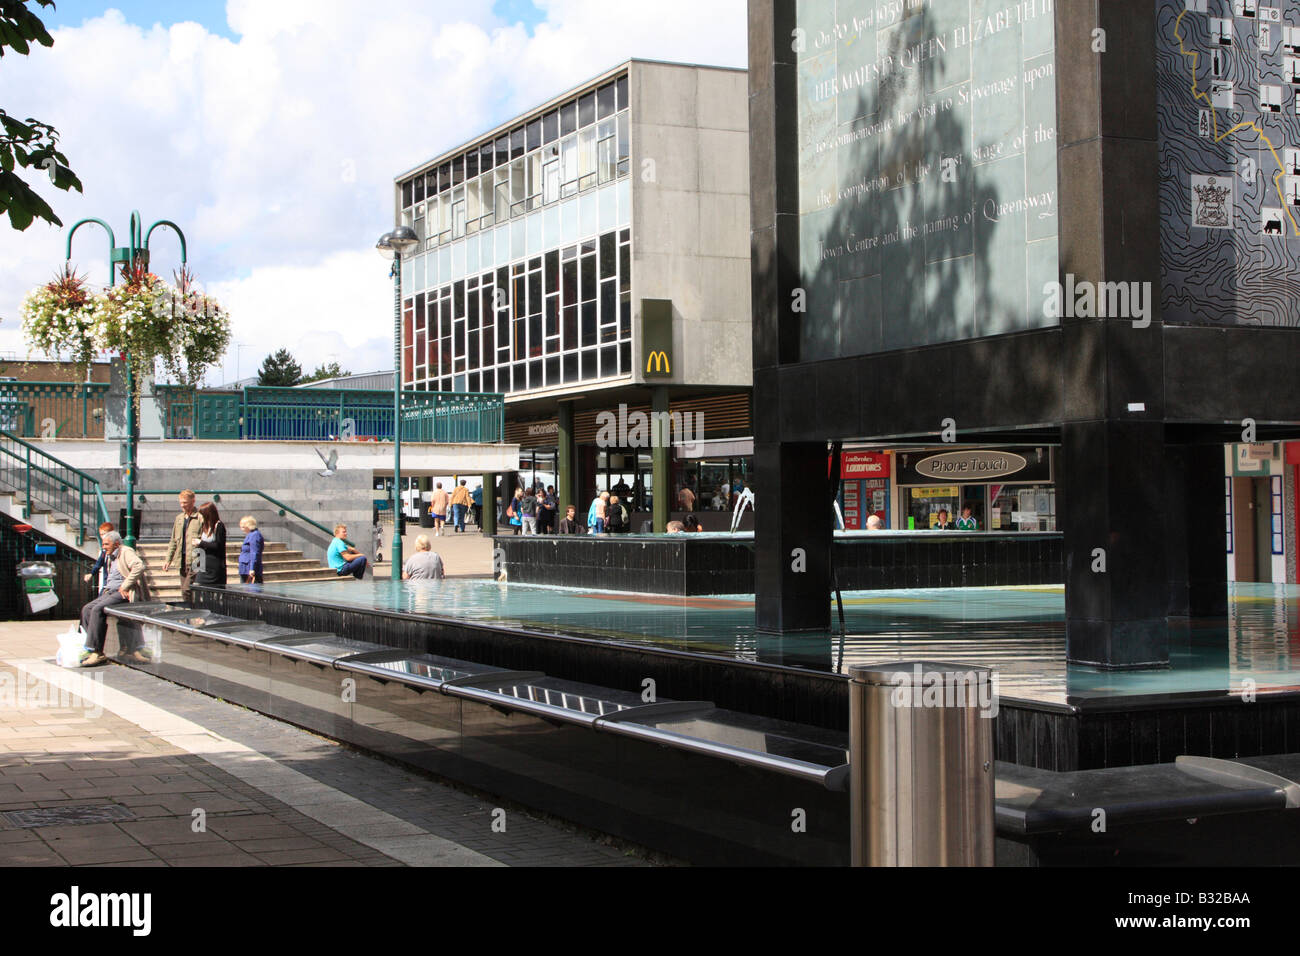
921, 764
395, 552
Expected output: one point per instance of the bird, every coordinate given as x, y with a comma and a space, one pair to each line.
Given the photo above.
331, 463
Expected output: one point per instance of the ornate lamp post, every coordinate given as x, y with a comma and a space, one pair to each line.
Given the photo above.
393, 245
136, 252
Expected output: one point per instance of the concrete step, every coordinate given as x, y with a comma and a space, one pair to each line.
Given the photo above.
159, 548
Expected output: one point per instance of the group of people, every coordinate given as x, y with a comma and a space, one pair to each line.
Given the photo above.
198, 543
451, 508
533, 511
197, 548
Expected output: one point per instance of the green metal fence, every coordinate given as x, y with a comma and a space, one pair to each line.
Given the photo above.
36, 410
49, 484
311, 414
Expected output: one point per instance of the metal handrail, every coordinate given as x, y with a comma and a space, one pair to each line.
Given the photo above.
85, 483
260, 494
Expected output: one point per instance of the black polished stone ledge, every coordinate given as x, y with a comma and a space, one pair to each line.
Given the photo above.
690, 565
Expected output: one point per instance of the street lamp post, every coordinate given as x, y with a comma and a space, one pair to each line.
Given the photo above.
136, 252
392, 245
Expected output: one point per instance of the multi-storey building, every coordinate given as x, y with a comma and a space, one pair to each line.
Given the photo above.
589, 254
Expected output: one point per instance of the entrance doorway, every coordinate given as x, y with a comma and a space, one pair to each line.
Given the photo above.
1252, 529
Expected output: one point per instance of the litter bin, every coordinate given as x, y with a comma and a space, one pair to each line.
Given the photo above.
36, 583
921, 764
426, 519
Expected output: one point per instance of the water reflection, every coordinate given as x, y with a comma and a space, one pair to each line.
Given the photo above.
1018, 631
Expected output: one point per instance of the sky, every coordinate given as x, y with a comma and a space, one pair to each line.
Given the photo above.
271, 131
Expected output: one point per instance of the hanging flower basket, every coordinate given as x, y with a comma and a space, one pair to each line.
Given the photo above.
58, 317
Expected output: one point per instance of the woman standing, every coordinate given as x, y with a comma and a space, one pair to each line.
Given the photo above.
250, 552
210, 551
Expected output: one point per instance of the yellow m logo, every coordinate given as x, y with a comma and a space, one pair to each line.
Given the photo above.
660, 362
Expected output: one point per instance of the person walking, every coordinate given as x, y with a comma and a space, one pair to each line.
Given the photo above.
379, 541
477, 497
344, 558
616, 520
460, 502
210, 556
425, 564
438, 507
686, 498
250, 552
125, 582
185, 535
528, 511
546, 510
513, 514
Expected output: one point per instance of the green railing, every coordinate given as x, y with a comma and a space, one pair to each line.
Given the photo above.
52, 485
53, 409
37, 410
282, 508
311, 414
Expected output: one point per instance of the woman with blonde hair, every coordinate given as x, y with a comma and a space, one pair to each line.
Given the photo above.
250, 552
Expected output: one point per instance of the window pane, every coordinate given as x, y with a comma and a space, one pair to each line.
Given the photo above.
444, 177
588, 278
534, 134
503, 150
587, 152
568, 119
486, 157
605, 161
608, 256
569, 333
605, 101
624, 138
586, 110
589, 329
551, 126
622, 93
625, 268
431, 183
419, 189
408, 193
517, 143
471, 164
625, 317
569, 283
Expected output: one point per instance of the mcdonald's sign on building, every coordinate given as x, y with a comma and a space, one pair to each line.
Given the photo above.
657, 338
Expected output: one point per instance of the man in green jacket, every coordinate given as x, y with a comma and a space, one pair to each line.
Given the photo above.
186, 530
125, 583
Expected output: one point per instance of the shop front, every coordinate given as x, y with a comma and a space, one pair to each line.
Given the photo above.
1005, 489
864, 488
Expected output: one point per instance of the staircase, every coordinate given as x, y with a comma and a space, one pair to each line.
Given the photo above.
279, 566
63, 530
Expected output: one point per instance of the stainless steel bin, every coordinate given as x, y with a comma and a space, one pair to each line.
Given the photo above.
921, 764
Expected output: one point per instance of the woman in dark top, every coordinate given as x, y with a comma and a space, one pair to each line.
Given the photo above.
210, 556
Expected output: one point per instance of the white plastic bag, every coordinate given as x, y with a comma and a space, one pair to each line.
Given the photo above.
72, 644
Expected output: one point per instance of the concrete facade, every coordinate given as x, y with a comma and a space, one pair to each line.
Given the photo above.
690, 215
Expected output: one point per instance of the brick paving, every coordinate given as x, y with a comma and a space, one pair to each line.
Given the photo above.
211, 784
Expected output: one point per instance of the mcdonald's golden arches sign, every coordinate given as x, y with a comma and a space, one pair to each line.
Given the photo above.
657, 338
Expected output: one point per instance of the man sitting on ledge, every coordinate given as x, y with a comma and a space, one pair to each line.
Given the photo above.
343, 558
125, 580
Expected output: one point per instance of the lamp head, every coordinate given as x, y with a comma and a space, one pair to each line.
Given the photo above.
403, 239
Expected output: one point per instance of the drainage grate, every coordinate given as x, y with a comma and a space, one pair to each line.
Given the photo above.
65, 816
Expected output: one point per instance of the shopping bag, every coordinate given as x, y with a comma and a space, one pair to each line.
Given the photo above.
72, 644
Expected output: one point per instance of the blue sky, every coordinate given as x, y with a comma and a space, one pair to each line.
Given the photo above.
72, 13
271, 131
212, 13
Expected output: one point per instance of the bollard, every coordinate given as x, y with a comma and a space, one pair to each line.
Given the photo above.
921, 764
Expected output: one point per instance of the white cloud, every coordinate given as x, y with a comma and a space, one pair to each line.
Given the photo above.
276, 153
